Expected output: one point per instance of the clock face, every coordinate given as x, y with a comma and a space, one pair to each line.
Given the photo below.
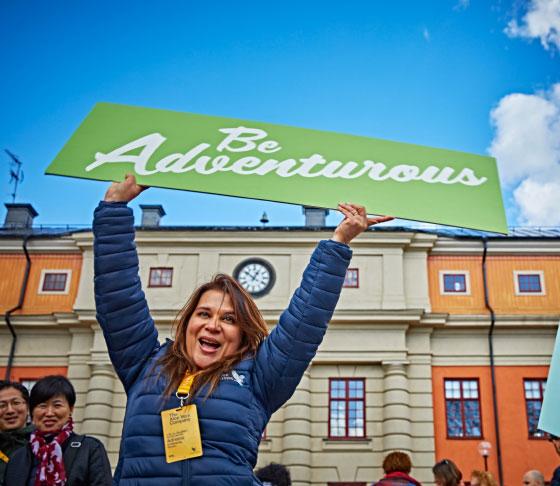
256, 276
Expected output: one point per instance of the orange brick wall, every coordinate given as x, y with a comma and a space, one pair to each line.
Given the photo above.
500, 282
519, 453
33, 372
12, 269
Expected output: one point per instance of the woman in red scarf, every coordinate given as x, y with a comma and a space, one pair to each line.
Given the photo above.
55, 455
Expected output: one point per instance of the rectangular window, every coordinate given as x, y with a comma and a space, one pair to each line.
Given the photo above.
462, 408
161, 277
454, 282
352, 278
346, 408
54, 281
534, 393
531, 283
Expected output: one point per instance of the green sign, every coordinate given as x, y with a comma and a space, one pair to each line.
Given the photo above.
549, 419
280, 163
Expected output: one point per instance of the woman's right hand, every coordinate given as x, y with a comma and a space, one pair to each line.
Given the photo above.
124, 191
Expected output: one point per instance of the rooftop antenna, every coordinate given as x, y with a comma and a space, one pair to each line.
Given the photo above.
16, 172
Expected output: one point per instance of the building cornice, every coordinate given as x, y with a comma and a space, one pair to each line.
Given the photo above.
514, 246
66, 244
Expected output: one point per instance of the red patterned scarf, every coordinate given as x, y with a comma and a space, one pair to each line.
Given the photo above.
50, 471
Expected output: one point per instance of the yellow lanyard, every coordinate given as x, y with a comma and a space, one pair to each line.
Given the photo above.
185, 387
4, 457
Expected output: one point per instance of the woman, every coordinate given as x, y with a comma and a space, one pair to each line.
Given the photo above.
446, 473
239, 375
14, 431
397, 466
55, 455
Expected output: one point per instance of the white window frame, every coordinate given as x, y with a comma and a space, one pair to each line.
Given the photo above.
44, 272
516, 274
467, 275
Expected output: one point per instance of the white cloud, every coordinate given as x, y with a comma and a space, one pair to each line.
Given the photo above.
542, 20
539, 202
526, 145
462, 5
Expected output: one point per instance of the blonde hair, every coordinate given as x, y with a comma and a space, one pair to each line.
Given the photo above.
176, 362
484, 478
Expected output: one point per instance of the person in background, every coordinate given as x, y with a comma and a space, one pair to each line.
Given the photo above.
482, 478
555, 481
55, 455
14, 430
533, 478
397, 466
274, 475
446, 473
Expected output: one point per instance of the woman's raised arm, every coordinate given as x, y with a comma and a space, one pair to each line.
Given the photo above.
122, 310
285, 354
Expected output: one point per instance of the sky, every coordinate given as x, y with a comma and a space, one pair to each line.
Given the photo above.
480, 76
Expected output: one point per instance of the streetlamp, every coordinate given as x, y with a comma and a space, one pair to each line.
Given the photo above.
484, 448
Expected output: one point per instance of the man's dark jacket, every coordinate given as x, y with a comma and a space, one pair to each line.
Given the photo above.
10, 442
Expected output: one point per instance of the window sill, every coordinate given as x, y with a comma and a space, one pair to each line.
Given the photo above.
353, 444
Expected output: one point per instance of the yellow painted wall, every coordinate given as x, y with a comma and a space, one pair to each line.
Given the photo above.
500, 283
12, 269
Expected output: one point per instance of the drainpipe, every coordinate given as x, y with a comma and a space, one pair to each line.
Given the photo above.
492, 365
17, 307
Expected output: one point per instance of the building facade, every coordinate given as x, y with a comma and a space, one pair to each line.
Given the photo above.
405, 364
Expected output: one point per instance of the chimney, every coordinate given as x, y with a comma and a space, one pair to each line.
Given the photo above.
315, 217
19, 215
151, 214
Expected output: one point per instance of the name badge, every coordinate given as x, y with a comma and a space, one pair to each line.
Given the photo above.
181, 433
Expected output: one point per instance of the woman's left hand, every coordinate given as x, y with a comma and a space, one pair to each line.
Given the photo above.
355, 221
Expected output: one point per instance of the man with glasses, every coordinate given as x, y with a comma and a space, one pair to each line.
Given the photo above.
14, 431
555, 481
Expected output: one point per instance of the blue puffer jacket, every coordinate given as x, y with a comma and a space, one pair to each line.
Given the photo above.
233, 418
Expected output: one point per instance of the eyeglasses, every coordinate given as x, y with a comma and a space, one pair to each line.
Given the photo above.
15, 403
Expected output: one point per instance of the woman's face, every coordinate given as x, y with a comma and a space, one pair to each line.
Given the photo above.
212, 332
13, 409
50, 416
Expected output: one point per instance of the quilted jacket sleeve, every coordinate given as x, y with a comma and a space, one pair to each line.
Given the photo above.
122, 310
284, 356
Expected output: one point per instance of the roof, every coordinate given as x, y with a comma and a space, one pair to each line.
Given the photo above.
541, 232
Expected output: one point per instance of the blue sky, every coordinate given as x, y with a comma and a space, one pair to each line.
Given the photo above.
479, 76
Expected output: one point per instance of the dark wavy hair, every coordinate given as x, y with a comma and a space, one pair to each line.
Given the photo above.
447, 472
176, 362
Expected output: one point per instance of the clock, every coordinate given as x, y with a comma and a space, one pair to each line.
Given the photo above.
256, 276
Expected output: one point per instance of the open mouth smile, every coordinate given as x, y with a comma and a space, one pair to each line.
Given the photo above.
209, 345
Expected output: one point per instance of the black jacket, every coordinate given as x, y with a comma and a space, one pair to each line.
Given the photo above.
85, 462
10, 442
555, 481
